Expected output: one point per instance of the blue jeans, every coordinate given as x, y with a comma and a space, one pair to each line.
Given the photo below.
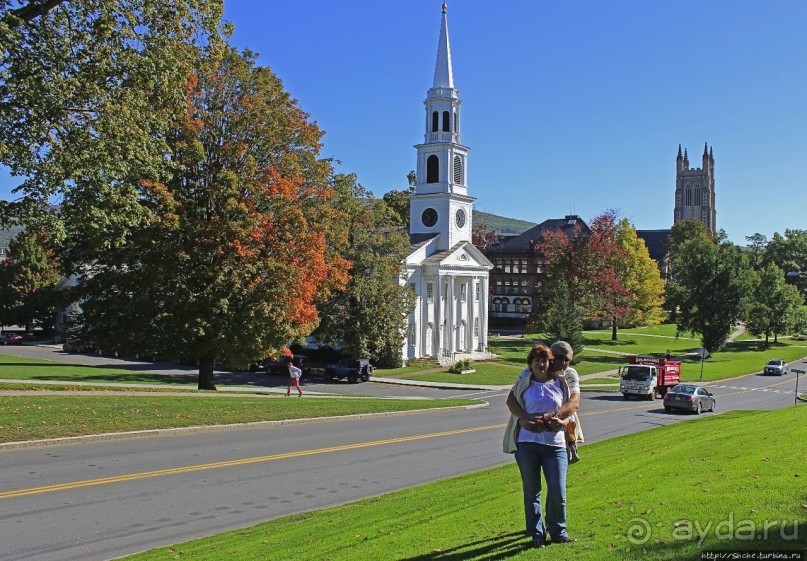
531, 457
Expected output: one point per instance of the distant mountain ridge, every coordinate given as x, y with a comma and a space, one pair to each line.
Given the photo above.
502, 224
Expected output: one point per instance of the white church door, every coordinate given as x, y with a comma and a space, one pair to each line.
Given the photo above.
461, 336
428, 347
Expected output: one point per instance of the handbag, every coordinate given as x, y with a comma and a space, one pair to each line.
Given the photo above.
570, 432
571, 440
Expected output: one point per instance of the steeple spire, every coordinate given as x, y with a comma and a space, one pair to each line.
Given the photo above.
443, 75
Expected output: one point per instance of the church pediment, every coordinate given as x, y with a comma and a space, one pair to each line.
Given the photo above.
462, 255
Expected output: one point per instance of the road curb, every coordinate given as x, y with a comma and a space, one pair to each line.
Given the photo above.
218, 428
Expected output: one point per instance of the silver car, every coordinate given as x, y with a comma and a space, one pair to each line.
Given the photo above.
689, 397
775, 366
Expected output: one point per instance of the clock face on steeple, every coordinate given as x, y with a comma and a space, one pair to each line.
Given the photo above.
429, 217
459, 218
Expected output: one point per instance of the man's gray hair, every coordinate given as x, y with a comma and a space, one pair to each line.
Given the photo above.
562, 347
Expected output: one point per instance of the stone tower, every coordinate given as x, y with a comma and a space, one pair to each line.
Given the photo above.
695, 190
440, 204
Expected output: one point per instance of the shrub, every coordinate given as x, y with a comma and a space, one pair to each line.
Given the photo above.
461, 365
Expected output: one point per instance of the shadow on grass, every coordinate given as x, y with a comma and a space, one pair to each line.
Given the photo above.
498, 547
736, 535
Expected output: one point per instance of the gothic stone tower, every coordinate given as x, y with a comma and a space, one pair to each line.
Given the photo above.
695, 190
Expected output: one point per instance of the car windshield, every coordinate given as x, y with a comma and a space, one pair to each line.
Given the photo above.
641, 373
684, 389
776, 362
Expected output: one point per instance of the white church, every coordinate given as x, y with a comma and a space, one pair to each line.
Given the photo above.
447, 273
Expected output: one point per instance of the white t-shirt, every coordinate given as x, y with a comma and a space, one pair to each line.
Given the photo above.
572, 380
295, 372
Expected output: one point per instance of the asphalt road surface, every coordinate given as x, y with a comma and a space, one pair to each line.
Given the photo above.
107, 499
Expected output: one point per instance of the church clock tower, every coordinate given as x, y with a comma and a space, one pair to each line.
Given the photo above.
440, 204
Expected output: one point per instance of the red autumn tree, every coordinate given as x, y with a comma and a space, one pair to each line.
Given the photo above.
483, 236
230, 252
586, 262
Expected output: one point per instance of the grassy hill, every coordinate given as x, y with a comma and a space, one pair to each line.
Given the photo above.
502, 224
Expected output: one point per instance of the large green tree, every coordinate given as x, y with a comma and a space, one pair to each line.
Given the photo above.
789, 253
368, 318
774, 305
232, 250
28, 279
88, 89
710, 290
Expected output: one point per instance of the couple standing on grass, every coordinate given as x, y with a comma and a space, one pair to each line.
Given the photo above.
542, 403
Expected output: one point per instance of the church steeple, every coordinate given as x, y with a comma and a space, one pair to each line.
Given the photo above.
441, 190
443, 74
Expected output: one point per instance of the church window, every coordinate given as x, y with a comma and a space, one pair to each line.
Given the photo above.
435, 121
688, 196
463, 290
412, 333
446, 121
476, 327
429, 292
432, 169
697, 195
456, 122
477, 292
457, 170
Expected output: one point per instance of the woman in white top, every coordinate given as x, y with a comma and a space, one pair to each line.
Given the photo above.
538, 440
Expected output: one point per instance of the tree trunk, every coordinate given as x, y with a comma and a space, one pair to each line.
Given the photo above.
766, 338
206, 373
775, 338
613, 329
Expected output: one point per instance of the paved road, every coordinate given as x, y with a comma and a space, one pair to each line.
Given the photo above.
106, 499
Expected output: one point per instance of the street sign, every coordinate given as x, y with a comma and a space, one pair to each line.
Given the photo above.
798, 371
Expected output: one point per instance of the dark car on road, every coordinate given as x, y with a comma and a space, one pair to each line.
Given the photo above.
688, 397
279, 365
79, 346
10, 338
351, 369
776, 367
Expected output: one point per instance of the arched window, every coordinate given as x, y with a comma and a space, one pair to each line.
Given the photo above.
456, 122
697, 194
688, 196
457, 170
435, 121
446, 121
432, 169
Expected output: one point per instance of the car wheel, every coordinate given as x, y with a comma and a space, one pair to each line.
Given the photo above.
329, 376
352, 377
714, 404
698, 409
365, 378
668, 409
626, 396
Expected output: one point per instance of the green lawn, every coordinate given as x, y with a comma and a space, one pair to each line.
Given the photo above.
51, 416
730, 482
14, 367
742, 357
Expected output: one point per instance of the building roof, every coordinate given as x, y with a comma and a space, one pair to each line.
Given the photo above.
522, 242
656, 241
419, 240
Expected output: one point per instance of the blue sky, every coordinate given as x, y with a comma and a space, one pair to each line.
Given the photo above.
567, 106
